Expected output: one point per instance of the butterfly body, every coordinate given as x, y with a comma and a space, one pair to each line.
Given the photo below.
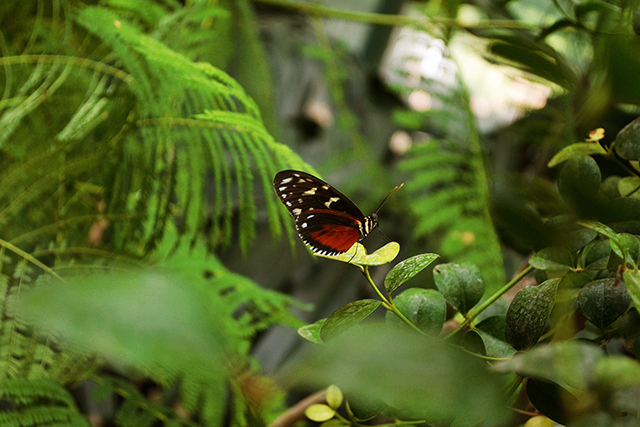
326, 220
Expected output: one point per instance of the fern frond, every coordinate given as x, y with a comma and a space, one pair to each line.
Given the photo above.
448, 187
38, 402
137, 410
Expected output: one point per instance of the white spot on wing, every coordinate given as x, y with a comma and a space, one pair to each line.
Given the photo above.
282, 188
288, 203
284, 196
310, 216
331, 200
286, 180
297, 211
303, 225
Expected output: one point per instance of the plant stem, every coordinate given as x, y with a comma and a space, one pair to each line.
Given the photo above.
474, 312
388, 303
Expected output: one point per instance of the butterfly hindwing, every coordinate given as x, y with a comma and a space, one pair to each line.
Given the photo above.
328, 232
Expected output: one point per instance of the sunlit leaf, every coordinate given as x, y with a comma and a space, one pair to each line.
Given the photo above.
357, 255
575, 150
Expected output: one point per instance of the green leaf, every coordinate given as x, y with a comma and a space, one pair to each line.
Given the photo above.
575, 150
616, 372
570, 364
420, 377
528, 314
600, 228
603, 301
144, 319
632, 280
629, 186
461, 285
627, 247
405, 270
494, 325
425, 308
334, 396
346, 317
478, 341
357, 255
319, 412
552, 258
554, 401
579, 181
311, 332
627, 143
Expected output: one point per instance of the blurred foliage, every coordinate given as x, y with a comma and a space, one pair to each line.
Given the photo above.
137, 142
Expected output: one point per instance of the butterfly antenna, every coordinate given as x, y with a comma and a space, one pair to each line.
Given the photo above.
385, 237
388, 195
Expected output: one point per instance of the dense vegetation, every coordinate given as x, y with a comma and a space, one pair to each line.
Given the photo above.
138, 144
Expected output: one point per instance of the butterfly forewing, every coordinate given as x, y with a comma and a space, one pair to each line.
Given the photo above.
326, 220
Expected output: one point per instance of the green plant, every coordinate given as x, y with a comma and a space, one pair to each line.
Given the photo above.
537, 342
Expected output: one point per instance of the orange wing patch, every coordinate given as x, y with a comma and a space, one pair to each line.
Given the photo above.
337, 237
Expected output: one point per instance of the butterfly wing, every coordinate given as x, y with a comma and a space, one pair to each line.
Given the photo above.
326, 220
328, 232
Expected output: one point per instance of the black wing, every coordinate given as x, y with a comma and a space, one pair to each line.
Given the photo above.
300, 192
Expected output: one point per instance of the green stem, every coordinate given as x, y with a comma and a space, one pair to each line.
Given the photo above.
474, 312
388, 303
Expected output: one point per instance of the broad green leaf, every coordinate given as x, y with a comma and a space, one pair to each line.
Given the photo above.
143, 318
311, 332
552, 258
617, 372
346, 317
574, 150
579, 182
627, 247
570, 364
425, 308
461, 285
357, 255
494, 325
603, 301
405, 270
421, 377
632, 280
597, 255
334, 396
478, 341
600, 228
628, 187
627, 143
551, 399
567, 233
319, 412
528, 314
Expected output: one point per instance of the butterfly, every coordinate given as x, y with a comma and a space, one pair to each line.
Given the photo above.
326, 220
